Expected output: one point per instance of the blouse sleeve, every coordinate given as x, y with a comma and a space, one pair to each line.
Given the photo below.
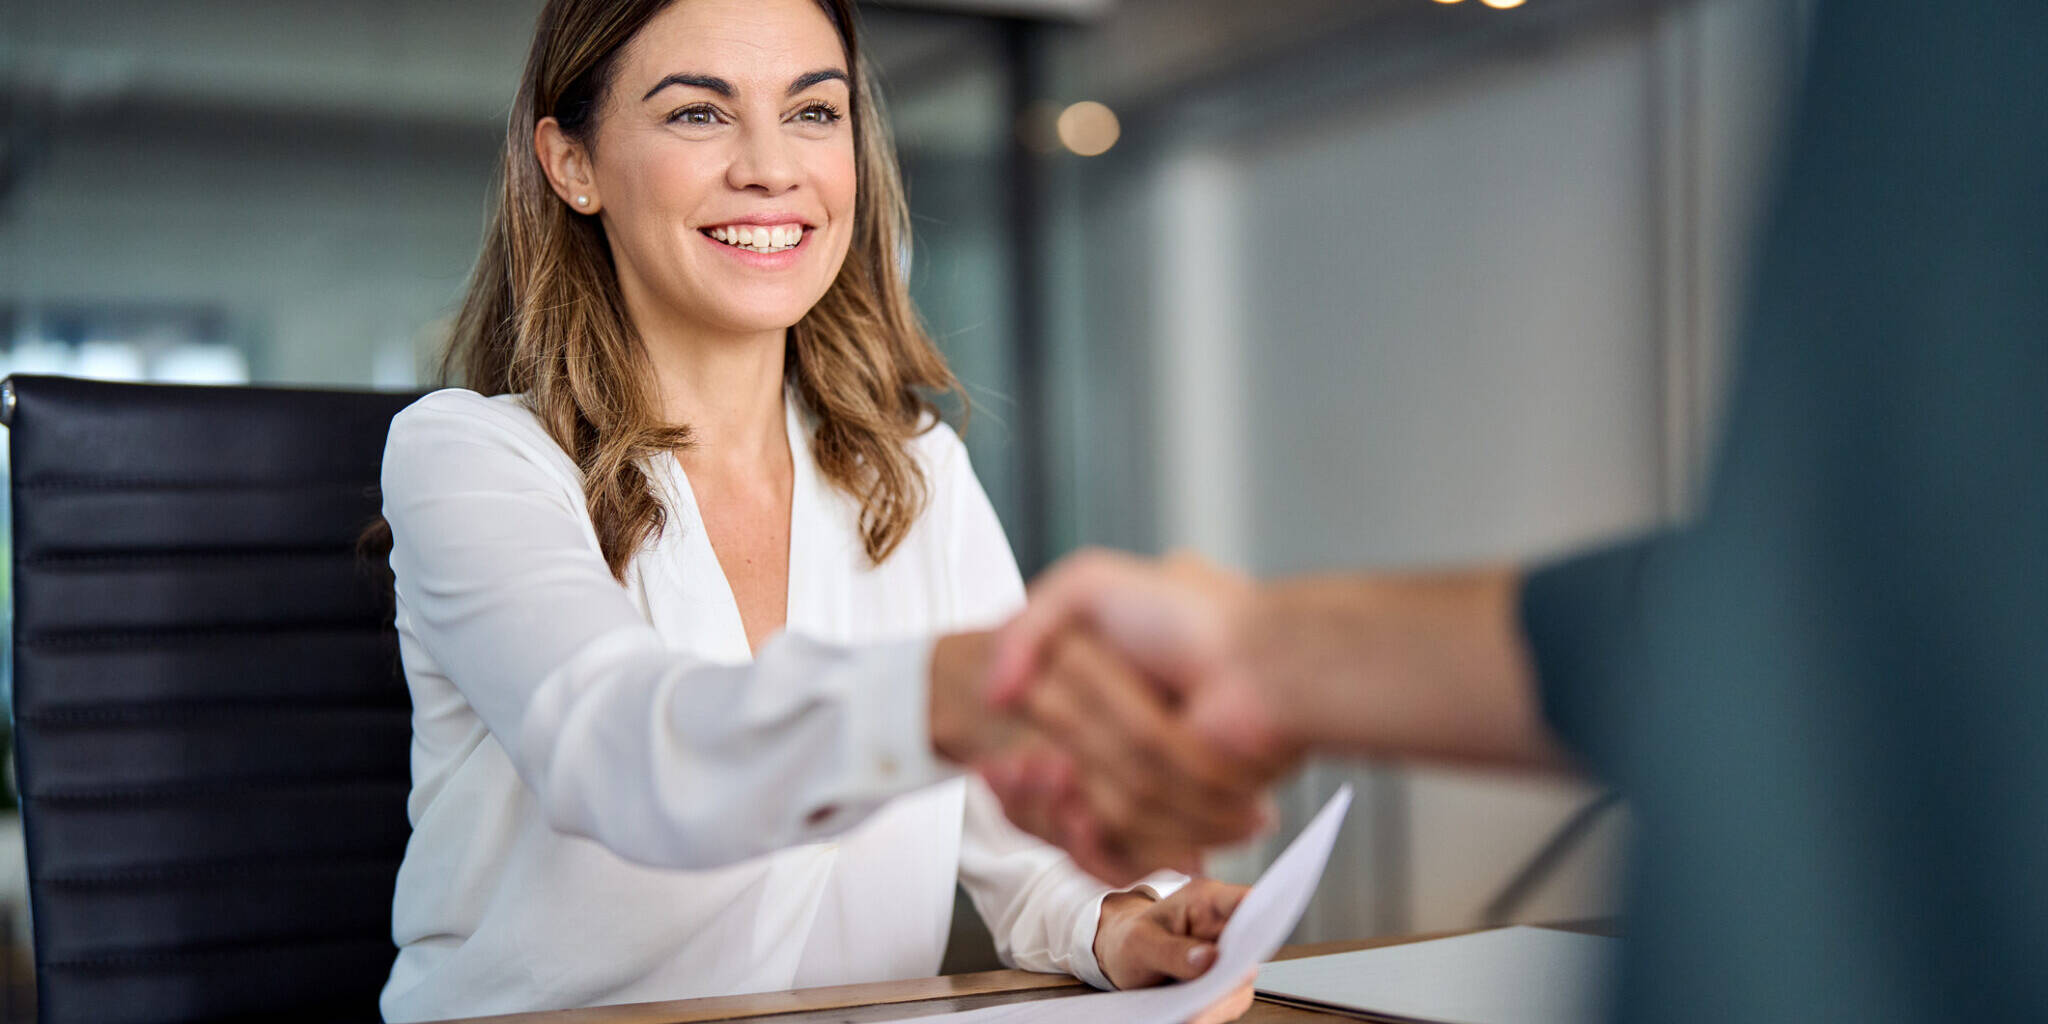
665, 759
1040, 908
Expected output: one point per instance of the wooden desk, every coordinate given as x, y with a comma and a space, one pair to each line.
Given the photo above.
893, 1000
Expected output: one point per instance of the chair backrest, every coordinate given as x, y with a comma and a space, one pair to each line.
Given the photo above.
211, 722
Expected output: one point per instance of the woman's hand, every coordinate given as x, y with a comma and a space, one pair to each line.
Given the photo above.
1140, 941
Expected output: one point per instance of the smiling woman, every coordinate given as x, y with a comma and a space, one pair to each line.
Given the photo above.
689, 585
677, 150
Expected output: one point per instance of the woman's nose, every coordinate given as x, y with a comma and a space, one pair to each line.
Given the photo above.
765, 162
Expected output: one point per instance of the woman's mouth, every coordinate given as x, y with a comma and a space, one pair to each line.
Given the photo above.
759, 238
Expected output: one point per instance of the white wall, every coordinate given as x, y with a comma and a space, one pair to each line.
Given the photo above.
1449, 305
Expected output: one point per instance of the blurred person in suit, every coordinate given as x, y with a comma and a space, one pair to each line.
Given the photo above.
690, 586
1827, 697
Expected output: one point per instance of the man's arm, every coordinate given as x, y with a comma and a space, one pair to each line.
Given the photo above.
1431, 666
1243, 680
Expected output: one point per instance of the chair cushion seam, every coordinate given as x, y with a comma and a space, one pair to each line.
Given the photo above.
267, 946
141, 484
185, 711
224, 869
312, 785
100, 638
177, 556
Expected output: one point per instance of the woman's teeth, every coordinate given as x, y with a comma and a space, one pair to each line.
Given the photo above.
780, 238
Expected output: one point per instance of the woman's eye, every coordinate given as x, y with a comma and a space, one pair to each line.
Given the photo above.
818, 113
694, 116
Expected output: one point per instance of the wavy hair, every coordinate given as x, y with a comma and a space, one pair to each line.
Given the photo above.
544, 317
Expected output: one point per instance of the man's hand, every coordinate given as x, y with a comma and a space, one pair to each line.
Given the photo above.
1141, 942
1116, 747
1091, 698
1159, 743
1037, 785
1181, 624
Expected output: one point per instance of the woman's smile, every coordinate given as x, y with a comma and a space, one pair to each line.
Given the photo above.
769, 243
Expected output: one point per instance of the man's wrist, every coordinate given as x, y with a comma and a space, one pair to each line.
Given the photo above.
1430, 664
1286, 632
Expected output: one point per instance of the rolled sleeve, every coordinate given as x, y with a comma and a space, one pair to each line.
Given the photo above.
1585, 624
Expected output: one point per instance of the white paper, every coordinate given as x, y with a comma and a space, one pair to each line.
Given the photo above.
1519, 975
1254, 932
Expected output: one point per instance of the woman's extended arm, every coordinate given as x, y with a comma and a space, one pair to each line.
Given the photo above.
666, 759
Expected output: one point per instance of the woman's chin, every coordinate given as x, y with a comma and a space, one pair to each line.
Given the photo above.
764, 321
770, 314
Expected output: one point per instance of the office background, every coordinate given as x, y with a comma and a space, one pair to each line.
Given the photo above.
1356, 282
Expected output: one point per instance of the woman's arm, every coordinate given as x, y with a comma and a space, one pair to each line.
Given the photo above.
665, 759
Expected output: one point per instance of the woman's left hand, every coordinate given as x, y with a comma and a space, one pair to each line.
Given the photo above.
1140, 941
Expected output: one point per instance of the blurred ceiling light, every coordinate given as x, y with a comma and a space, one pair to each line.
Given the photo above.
1088, 128
1448, 1
1501, 5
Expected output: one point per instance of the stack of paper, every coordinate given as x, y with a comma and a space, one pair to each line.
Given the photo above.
1518, 975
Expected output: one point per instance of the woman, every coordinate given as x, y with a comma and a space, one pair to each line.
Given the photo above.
665, 601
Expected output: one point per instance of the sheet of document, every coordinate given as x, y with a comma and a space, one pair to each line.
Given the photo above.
1519, 975
1255, 932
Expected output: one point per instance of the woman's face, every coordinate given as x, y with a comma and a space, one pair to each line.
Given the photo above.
723, 164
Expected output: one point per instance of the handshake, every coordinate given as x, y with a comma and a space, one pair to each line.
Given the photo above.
1136, 712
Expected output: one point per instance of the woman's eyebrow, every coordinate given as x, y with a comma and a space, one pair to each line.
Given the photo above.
805, 81
725, 89
715, 84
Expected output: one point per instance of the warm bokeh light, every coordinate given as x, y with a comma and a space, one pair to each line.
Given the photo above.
1501, 5
1449, 1
1088, 128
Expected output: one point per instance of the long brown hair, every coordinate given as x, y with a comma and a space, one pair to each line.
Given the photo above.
544, 317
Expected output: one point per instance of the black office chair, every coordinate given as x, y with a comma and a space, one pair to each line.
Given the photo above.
211, 723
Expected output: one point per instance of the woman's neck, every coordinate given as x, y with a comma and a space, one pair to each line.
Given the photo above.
728, 389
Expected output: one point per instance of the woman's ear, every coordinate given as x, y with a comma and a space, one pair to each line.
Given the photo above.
567, 164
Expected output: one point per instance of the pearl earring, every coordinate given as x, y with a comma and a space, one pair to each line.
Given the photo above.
583, 200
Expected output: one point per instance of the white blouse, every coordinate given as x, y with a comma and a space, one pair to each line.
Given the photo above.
613, 801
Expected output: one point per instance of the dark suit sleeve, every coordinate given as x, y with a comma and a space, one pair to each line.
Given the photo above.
1586, 628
